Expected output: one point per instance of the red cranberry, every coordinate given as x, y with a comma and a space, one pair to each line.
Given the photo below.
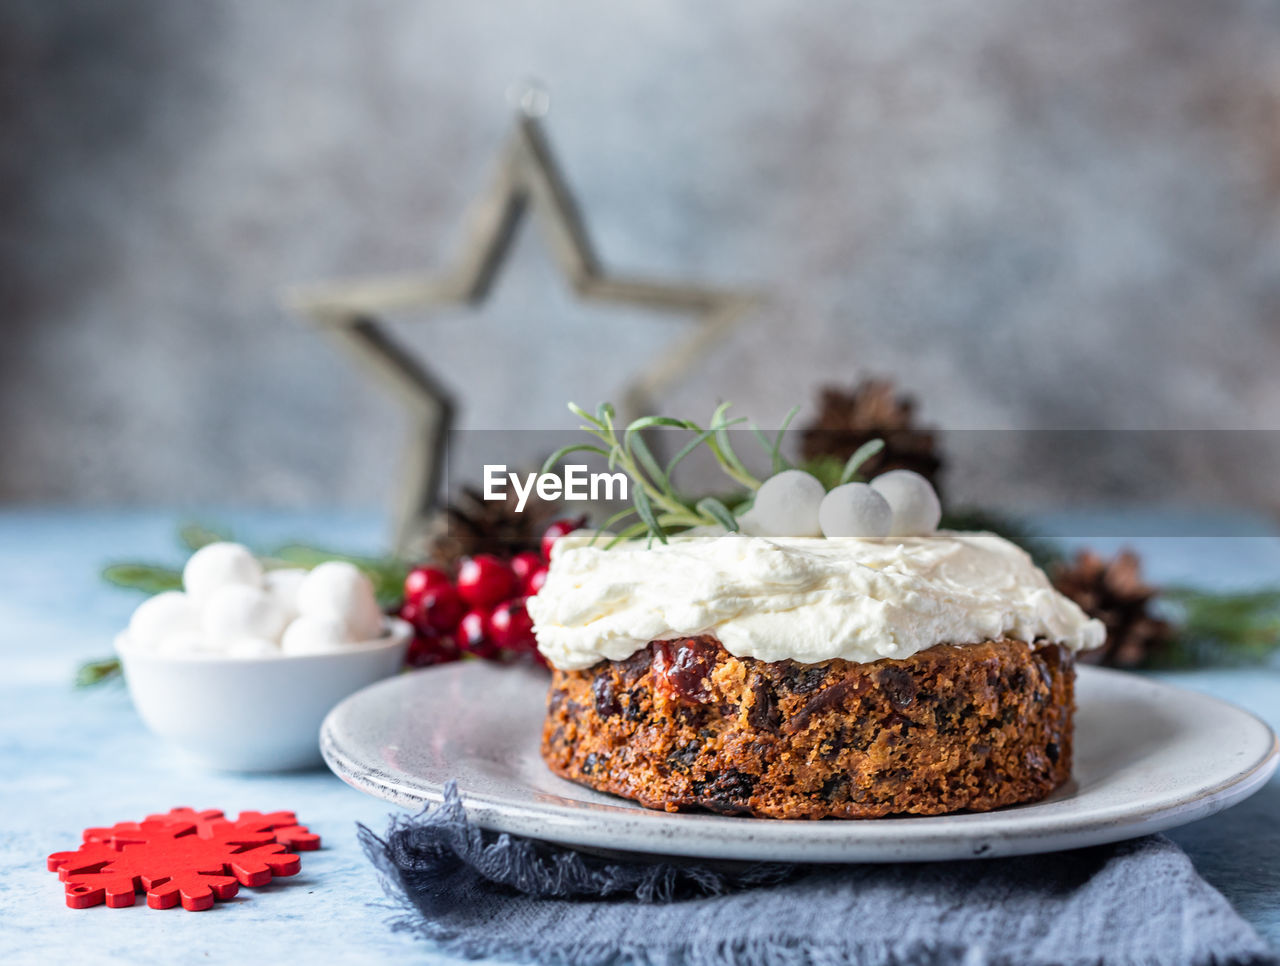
682, 668
535, 581
411, 611
474, 634
511, 627
420, 580
429, 648
440, 609
525, 563
484, 580
557, 530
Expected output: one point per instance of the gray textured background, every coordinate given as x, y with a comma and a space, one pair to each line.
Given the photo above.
1032, 214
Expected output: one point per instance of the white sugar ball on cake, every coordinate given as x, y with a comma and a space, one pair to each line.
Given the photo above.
746, 524
219, 565
237, 611
916, 509
338, 590
786, 505
283, 585
162, 616
855, 510
314, 635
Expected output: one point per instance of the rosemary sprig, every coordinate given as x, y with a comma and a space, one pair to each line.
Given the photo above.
860, 456
773, 448
831, 472
660, 511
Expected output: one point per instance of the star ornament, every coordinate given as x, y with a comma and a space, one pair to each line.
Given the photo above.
528, 182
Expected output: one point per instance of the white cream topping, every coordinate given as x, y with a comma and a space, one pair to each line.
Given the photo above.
805, 599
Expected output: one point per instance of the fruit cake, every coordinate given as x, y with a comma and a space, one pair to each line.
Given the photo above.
803, 677
684, 724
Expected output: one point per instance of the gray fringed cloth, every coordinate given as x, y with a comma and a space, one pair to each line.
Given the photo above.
474, 893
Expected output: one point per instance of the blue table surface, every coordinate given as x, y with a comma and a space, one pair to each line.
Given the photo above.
72, 759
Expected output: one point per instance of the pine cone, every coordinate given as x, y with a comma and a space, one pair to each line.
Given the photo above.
1114, 592
873, 410
473, 525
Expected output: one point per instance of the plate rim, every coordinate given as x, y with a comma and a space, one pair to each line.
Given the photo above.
930, 838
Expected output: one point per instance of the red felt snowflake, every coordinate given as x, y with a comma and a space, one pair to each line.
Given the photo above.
182, 855
281, 827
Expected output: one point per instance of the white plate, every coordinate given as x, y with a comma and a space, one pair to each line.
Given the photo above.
1148, 757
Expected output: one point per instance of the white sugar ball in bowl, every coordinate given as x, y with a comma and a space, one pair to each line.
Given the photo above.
234, 651
339, 590
189, 644
164, 615
786, 505
238, 611
855, 510
219, 565
247, 647
245, 704
916, 509
283, 586
315, 635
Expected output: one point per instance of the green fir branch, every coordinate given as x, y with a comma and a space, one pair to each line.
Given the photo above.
93, 673
196, 535
1220, 629
147, 578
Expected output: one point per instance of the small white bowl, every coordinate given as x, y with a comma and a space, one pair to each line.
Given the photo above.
255, 713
